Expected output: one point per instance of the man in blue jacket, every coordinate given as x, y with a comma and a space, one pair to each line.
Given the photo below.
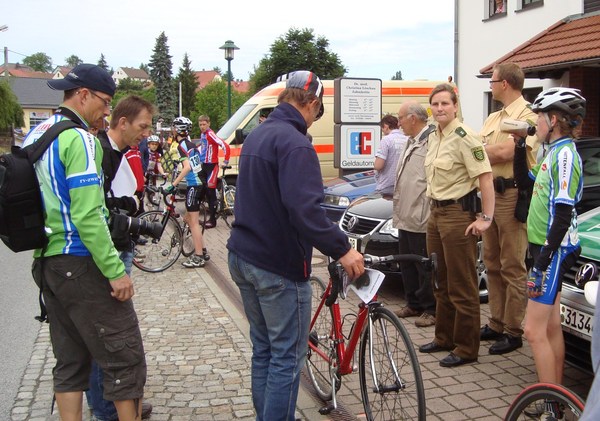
278, 221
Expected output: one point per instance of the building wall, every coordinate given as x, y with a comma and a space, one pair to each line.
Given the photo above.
587, 79
482, 41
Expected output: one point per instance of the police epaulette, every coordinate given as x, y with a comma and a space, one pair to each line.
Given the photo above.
460, 131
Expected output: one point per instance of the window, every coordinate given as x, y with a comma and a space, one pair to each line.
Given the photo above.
591, 6
494, 8
528, 93
526, 4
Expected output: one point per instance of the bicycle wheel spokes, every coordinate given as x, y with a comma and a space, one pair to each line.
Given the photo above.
188, 242
318, 364
545, 399
158, 255
390, 377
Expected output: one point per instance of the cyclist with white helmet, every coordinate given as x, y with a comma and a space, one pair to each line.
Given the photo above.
190, 155
557, 184
154, 164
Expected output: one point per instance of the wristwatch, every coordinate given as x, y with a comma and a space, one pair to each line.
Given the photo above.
486, 218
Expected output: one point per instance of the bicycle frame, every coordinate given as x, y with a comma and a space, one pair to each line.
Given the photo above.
344, 353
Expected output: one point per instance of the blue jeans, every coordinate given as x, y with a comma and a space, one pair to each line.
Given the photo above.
104, 410
278, 311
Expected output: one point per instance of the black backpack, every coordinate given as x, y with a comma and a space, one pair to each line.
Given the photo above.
21, 210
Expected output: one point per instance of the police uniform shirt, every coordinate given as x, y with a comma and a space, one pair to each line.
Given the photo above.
491, 134
455, 159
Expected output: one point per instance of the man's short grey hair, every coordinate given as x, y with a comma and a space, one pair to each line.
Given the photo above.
418, 111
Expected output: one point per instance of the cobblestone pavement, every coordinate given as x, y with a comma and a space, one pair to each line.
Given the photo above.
198, 354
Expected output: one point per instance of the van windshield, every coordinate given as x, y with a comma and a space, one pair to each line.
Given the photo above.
235, 121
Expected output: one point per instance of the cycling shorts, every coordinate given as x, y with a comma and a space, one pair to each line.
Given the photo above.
561, 262
192, 198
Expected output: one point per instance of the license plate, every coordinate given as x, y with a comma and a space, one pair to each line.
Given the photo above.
353, 242
576, 320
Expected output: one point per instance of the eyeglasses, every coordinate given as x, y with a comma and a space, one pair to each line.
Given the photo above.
106, 101
496, 81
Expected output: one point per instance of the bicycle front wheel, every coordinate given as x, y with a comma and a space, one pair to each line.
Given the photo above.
317, 365
538, 399
188, 247
156, 255
390, 378
228, 203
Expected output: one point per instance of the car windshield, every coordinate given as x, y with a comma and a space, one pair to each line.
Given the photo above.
235, 121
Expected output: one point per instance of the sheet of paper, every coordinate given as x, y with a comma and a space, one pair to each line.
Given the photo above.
368, 291
124, 183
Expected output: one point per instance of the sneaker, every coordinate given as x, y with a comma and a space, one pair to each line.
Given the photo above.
138, 254
194, 261
210, 224
205, 255
146, 410
552, 412
407, 312
425, 320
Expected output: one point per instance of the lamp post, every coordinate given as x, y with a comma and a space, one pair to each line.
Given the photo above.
229, 48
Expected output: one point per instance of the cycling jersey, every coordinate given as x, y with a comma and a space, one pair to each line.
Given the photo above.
209, 147
558, 180
70, 177
188, 151
153, 161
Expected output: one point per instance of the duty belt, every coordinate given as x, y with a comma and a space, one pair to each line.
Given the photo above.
442, 203
501, 184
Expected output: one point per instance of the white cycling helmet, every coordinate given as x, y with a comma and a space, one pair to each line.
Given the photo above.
182, 125
153, 138
567, 100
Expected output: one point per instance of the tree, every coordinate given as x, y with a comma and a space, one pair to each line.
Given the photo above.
145, 68
11, 113
73, 61
189, 85
102, 62
39, 62
211, 101
161, 75
398, 75
297, 50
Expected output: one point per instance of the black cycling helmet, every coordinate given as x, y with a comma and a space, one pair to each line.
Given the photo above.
182, 125
567, 100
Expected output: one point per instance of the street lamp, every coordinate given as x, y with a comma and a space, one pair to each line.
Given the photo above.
229, 48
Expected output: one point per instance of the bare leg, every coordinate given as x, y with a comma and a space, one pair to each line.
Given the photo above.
542, 341
126, 410
193, 220
69, 405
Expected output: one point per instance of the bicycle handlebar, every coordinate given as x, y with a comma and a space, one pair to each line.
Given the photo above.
334, 268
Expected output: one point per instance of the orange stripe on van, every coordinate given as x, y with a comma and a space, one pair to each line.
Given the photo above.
406, 91
236, 151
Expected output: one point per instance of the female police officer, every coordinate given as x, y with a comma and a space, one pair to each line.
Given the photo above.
456, 165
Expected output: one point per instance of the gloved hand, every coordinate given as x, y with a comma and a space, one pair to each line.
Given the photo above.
535, 283
170, 189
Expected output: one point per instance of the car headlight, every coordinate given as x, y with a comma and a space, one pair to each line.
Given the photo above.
388, 228
336, 200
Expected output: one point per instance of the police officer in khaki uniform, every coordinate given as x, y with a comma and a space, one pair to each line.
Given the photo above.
456, 165
505, 243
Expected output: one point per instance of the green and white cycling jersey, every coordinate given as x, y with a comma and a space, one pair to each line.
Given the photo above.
558, 179
70, 177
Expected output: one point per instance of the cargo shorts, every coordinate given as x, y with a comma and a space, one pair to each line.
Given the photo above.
87, 323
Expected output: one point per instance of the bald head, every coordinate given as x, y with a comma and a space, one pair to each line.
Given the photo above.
412, 117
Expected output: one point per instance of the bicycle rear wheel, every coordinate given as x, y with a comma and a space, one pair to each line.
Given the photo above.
319, 367
228, 203
531, 403
390, 378
158, 255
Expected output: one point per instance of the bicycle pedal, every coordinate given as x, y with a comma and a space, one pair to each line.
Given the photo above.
326, 409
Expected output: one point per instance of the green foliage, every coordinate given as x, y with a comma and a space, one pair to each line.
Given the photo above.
189, 84
129, 84
161, 75
73, 61
102, 62
148, 94
145, 68
11, 113
397, 76
39, 62
297, 50
212, 101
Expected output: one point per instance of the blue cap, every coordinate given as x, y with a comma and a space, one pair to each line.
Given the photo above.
86, 76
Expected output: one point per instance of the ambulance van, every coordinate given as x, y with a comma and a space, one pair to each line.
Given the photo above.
247, 117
